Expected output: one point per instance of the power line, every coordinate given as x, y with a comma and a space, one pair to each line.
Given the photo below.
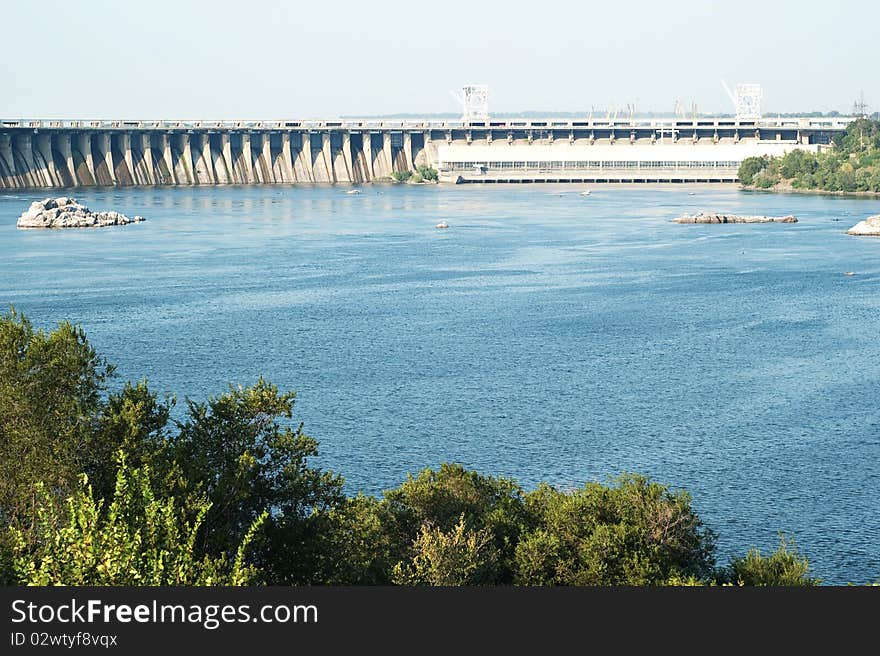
860, 107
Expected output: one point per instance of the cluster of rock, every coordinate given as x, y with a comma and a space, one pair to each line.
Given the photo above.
870, 227
67, 213
715, 217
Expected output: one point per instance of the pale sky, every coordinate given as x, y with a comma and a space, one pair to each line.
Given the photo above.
269, 59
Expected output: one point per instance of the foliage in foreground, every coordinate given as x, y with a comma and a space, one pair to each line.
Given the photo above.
240, 452
138, 539
51, 387
227, 495
634, 532
852, 165
785, 566
460, 556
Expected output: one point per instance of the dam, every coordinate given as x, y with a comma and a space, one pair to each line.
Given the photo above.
38, 153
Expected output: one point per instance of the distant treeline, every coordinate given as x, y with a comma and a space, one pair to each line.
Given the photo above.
852, 165
101, 487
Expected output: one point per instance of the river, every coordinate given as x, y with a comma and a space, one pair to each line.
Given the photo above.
545, 335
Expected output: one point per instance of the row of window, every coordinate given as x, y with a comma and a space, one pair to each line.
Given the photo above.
458, 166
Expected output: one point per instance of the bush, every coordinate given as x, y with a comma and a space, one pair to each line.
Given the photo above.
353, 545
784, 567
421, 174
139, 539
428, 173
443, 498
634, 532
460, 556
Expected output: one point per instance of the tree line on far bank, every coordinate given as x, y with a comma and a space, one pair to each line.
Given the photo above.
852, 165
103, 487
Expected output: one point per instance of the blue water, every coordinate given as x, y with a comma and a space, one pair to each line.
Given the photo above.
544, 336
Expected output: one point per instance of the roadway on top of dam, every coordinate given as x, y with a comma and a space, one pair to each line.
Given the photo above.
803, 123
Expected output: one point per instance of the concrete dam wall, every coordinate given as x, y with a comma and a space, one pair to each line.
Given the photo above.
63, 153
85, 156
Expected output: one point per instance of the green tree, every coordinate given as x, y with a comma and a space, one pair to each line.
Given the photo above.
352, 544
241, 452
634, 532
764, 179
57, 421
460, 556
863, 179
795, 163
442, 498
139, 539
51, 386
750, 167
860, 135
135, 421
539, 555
845, 178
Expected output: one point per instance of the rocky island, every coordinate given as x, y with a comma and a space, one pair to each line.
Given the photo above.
715, 217
67, 213
870, 227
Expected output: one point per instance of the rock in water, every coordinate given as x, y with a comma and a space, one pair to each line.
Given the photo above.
67, 213
715, 217
870, 227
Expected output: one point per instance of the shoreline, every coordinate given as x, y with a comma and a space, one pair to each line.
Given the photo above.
386, 182
819, 192
389, 182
